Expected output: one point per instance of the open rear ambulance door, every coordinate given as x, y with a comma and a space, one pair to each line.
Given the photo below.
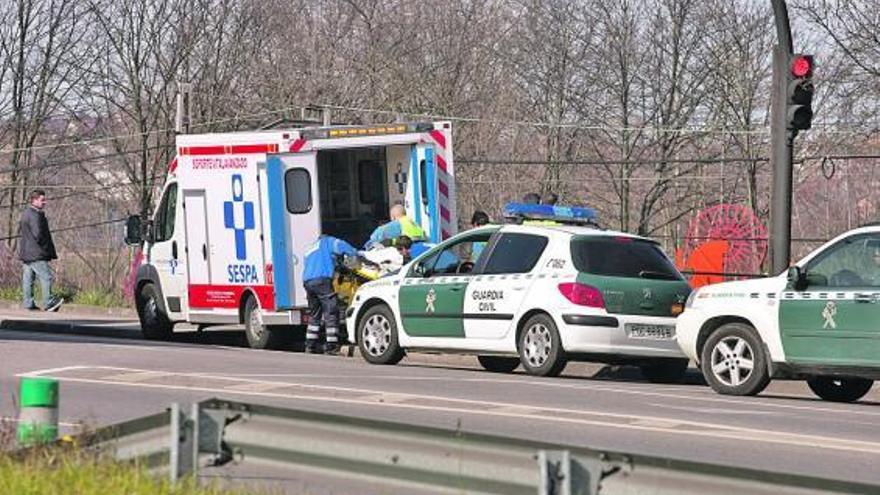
422, 191
294, 222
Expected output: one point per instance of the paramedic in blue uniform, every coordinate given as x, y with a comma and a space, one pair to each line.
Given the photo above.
320, 263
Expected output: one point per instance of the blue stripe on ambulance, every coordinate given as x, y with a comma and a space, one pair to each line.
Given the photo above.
416, 180
278, 231
432, 209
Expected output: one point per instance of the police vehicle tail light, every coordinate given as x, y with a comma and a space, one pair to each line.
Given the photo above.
582, 294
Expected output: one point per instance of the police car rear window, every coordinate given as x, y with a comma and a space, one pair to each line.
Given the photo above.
621, 257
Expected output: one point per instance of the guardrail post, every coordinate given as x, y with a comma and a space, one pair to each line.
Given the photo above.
561, 474
38, 411
184, 449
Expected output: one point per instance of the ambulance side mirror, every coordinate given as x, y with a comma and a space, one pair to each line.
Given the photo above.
133, 234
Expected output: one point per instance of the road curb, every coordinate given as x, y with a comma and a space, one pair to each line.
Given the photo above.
108, 328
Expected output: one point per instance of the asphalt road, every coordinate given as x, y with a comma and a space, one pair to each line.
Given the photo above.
785, 429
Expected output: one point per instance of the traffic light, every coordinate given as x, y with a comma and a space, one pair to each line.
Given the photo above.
799, 92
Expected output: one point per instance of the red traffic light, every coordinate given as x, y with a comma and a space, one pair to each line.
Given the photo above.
802, 66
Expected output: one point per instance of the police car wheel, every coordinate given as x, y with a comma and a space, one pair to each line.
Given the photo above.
377, 336
540, 349
665, 370
259, 335
498, 364
155, 324
840, 389
733, 361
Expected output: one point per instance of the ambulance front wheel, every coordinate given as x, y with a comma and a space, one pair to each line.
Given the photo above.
155, 324
259, 335
840, 389
377, 336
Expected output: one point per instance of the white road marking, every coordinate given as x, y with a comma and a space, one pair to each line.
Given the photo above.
66, 424
510, 410
49, 371
706, 393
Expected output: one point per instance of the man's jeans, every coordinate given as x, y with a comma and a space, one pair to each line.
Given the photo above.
44, 273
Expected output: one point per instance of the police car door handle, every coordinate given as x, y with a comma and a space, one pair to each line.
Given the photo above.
454, 289
865, 298
204, 251
174, 250
520, 288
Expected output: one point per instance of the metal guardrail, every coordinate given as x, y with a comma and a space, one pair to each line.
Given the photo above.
215, 432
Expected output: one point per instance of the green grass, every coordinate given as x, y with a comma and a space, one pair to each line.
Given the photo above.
87, 297
100, 298
63, 472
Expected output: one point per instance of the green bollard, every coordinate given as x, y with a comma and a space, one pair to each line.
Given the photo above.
38, 413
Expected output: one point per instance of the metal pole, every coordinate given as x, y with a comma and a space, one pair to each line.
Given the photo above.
781, 146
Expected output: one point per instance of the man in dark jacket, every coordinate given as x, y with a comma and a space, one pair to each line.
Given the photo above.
36, 250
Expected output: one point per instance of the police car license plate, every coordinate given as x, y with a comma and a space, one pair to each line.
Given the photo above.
649, 332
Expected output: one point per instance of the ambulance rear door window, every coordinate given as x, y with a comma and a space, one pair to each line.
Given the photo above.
298, 187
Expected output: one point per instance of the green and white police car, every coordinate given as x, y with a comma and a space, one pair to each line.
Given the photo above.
819, 321
536, 295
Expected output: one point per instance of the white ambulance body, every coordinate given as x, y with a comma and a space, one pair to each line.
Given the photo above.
226, 241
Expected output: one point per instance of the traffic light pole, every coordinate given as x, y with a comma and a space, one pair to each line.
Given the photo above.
781, 140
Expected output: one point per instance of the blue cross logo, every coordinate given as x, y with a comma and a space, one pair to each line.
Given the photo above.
246, 218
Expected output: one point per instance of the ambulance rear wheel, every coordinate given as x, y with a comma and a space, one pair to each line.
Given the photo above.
259, 335
840, 389
155, 324
498, 364
377, 336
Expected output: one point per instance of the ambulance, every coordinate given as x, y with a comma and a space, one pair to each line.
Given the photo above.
225, 244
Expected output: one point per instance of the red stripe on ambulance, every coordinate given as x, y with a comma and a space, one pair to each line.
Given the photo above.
297, 145
438, 137
444, 212
235, 149
229, 296
441, 162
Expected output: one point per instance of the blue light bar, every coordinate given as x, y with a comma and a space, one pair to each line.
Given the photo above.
562, 214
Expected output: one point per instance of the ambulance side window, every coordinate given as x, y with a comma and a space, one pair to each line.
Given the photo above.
164, 224
298, 187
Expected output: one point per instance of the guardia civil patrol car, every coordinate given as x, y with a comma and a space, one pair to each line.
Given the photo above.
538, 295
819, 321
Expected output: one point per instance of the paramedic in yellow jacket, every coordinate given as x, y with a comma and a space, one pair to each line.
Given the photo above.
399, 225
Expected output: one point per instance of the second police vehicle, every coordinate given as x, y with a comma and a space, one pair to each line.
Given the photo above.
817, 322
536, 294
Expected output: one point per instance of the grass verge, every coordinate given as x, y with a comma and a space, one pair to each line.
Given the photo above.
67, 470
86, 297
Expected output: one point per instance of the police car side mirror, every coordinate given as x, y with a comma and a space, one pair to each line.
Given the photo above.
797, 279
133, 234
420, 270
